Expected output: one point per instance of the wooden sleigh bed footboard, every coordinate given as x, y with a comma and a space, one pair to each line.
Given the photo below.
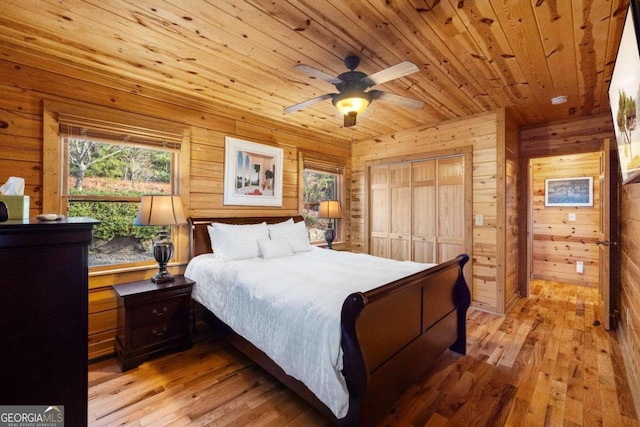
391, 335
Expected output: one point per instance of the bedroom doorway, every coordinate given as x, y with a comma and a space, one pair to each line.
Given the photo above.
575, 244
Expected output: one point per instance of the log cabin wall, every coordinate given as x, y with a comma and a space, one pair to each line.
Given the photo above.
585, 135
24, 90
485, 134
629, 297
509, 212
558, 241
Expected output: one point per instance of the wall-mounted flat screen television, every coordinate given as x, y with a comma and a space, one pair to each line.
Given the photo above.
624, 94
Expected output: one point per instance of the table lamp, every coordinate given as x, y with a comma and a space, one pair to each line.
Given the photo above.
161, 211
331, 210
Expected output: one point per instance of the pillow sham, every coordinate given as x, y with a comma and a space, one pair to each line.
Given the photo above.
274, 248
279, 225
295, 233
232, 241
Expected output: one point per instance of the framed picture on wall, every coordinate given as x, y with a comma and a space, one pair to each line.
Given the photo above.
252, 173
624, 89
568, 191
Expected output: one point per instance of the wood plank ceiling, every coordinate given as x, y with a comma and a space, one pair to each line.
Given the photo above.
235, 55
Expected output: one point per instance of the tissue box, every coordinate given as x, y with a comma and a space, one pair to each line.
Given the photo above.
18, 206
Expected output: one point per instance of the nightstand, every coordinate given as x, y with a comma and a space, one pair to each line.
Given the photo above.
153, 318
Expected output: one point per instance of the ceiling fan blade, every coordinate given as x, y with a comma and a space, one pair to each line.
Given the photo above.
394, 72
396, 99
308, 102
314, 72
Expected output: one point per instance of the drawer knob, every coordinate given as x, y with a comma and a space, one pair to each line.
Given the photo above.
159, 312
159, 333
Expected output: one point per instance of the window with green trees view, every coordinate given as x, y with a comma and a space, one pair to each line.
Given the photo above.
319, 186
105, 181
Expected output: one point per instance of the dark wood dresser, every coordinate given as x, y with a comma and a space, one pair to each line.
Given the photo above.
44, 314
153, 318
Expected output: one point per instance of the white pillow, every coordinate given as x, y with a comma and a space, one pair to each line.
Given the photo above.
295, 233
230, 241
274, 248
278, 225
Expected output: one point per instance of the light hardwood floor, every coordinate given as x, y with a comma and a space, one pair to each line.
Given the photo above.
544, 364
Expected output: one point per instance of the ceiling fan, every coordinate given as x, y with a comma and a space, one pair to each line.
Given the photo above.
352, 97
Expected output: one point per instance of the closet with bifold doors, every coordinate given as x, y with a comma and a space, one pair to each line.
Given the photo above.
420, 209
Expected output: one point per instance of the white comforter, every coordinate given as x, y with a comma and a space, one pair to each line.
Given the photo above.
290, 307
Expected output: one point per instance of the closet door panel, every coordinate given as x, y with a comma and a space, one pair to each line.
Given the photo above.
423, 251
450, 230
400, 212
379, 211
400, 249
379, 247
450, 211
448, 249
424, 210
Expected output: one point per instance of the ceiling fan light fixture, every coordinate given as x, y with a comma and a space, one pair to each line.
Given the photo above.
349, 102
351, 98
350, 119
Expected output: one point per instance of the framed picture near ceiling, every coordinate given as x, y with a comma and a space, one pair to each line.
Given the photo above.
568, 191
252, 173
624, 91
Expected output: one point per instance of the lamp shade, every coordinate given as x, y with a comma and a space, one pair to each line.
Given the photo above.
330, 209
160, 210
352, 101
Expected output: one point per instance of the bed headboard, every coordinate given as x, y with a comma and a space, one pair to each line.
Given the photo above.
199, 241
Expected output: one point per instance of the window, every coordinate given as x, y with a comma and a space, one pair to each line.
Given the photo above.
105, 181
321, 181
104, 167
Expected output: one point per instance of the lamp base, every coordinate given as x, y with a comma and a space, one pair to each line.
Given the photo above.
329, 236
162, 252
162, 276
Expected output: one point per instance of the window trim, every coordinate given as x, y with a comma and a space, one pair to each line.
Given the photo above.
324, 164
54, 164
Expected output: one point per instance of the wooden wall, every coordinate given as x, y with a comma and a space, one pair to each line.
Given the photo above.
583, 136
485, 135
509, 211
629, 298
22, 92
559, 243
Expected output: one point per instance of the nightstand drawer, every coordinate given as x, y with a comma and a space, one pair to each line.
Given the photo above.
159, 310
159, 331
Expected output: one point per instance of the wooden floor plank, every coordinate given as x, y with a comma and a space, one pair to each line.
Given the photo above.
543, 364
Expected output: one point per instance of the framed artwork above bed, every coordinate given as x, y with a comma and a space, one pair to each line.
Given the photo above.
252, 173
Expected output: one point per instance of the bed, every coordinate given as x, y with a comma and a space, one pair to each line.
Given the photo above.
389, 336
